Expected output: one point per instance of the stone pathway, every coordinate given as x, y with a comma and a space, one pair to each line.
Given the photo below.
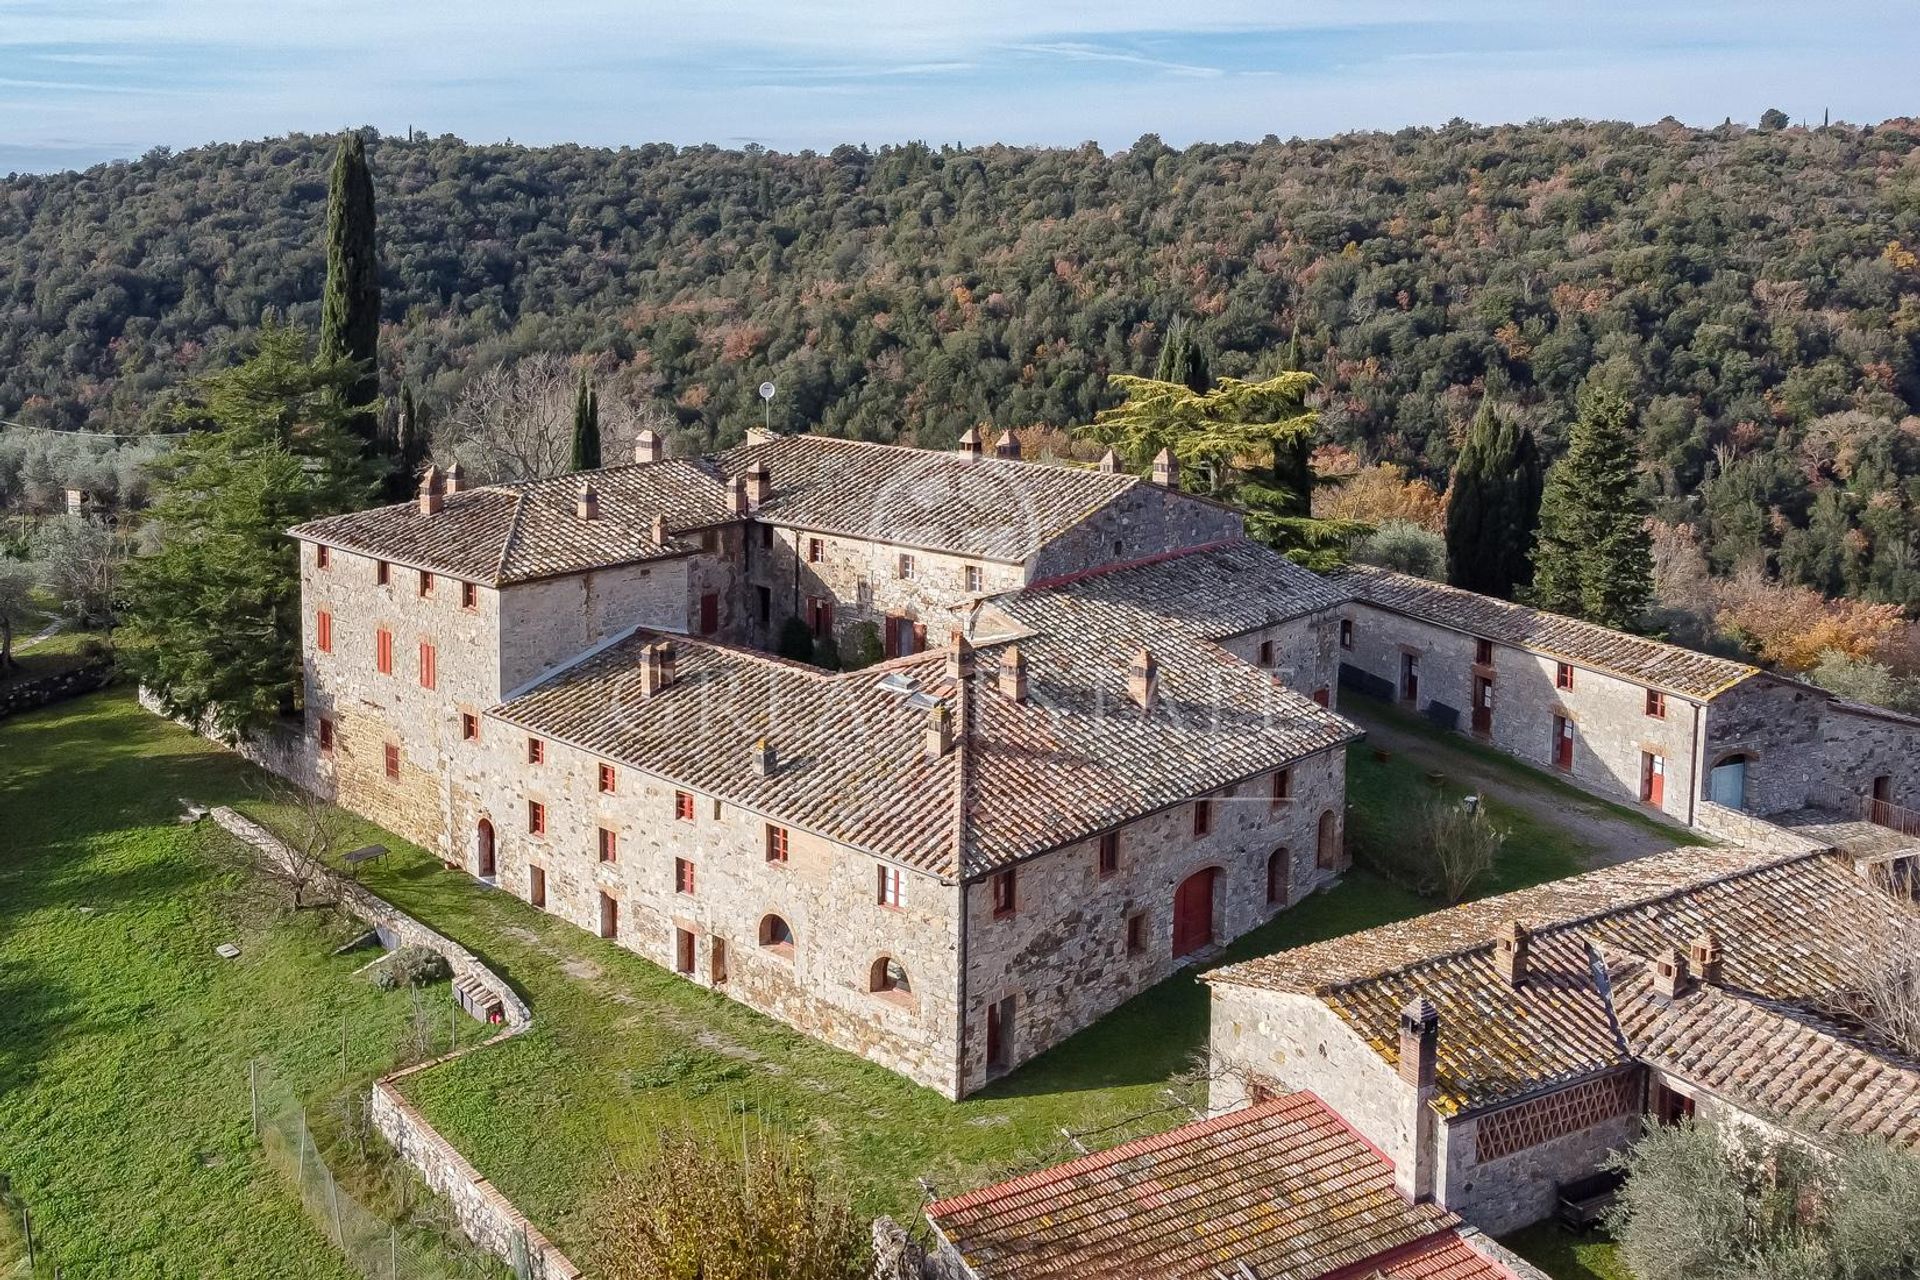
1605, 836
51, 629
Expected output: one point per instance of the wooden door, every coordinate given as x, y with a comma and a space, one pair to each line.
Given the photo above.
1881, 811
537, 886
718, 962
1000, 1034
609, 916
1482, 704
1193, 913
683, 945
709, 613
1410, 677
1653, 778
1562, 743
483, 850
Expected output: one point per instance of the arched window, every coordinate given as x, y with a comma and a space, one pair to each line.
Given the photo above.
1327, 850
1727, 782
1279, 876
483, 849
888, 976
776, 934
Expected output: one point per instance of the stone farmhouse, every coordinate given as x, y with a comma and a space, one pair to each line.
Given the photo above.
1283, 1189
1694, 736
1100, 743
1498, 1051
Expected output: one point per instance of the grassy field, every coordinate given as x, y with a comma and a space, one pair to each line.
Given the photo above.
124, 1040
620, 1048
1567, 1257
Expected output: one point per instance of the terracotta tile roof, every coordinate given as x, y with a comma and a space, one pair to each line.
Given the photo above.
1217, 591
1777, 1058
1664, 666
1282, 1188
518, 532
1078, 756
933, 499
1790, 927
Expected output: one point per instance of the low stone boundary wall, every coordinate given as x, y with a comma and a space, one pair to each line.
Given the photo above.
1749, 832
57, 687
488, 1218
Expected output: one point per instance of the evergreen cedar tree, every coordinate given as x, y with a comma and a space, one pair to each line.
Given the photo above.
350, 306
1493, 506
1759, 291
1594, 558
586, 428
212, 622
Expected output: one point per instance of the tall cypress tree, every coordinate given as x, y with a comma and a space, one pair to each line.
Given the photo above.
1183, 359
350, 309
586, 428
1595, 558
1493, 507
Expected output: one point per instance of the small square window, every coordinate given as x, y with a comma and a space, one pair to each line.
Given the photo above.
1346, 633
682, 876
536, 751
609, 780
1563, 675
1136, 933
609, 846
1109, 861
1266, 653
469, 727
322, 556
469, 596
892, 892
1202, 817
1282, 785
392, 760
816, 551
326, 734
1656, 704
973, 577
536, 818
382, 571
776, 843
766, 535
426, 584
1003, 893
905, 570
683, 806
1483, 652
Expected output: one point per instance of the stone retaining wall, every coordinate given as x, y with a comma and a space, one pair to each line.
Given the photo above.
1748, 832
488, 1218
57, 687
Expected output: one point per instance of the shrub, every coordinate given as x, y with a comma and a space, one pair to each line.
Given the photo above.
864, 647
410, 967
796, 642
1405, 546
1446, 849
826, 653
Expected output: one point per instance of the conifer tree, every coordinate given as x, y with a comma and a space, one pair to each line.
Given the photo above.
1493, 506
586, 428
350, 308
1594, 559
1183, 360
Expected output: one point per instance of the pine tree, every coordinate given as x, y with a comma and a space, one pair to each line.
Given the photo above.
213, 618
1594, 558
586, 428
350, 308
1183, 360
1493, 507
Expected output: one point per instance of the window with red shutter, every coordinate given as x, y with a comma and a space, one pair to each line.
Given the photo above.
776, 843
323, 631
393, 760
609, 780
609, 846
426, 584
382, 571
891, 891
683, 806
536, 751
682, 876
383, 651
469, 596
429, 667
469, 726
536, 818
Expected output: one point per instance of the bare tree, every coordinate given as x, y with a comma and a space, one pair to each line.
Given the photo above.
514, 421
1885, 979
311, 833
83, 559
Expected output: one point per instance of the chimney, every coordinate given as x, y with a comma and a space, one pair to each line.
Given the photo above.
588, 507
764, 759
959, 658
737, 495
1419, 1060
453, 478
647, 446
1670, 978
939, 730
433, 492
656, 666
1705, 954
1143, 680
1510, 953
660, 531
1110, 461
759, 483
1013, 674
1166, 470
970, 443
1008, 446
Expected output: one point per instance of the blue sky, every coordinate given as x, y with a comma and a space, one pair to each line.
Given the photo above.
88, 80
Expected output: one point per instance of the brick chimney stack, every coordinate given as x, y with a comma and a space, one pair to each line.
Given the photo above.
588, 507
1419, 1069
1166, 469
1670, 977
764, 759
660, 530
959, 658
453, 478
737, 495
656, 667
1110, 462
648, 447
1510, 953
1143, 680
1013, 674
759, 483
939, 730
971, 445
1705, 954
433, 492
1008, 446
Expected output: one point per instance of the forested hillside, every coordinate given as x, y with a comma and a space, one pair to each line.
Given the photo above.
1755, 295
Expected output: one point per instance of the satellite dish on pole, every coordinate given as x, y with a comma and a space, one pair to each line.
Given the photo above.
766, 400
766, 391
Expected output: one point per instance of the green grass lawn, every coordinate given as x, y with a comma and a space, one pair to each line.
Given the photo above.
124, 1040
61, 651
620, 1048
1568, 1257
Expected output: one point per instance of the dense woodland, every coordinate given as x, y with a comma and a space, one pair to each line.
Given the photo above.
1754, 295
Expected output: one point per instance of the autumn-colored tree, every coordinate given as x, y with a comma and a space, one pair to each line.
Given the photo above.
1374, 495
1794, 628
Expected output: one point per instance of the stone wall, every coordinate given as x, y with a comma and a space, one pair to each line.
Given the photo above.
56, 687
1613, 732
1062, 955
1147, 520
1775, 725
1305, 657
1859, 744
1749, 832
1516, 1190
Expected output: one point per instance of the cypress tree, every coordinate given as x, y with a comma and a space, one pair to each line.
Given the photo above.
586, 428
1595, 558
350, 308
1183, 360
1493, 507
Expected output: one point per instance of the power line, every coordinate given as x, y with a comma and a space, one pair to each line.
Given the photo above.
105, 435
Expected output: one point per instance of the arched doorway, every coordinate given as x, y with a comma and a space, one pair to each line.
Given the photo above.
483, 850
1727, 784
1193, 912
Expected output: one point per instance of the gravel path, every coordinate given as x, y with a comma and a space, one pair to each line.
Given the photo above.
1605, 836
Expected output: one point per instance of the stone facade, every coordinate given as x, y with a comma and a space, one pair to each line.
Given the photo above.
1502, 1193
1148, 521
